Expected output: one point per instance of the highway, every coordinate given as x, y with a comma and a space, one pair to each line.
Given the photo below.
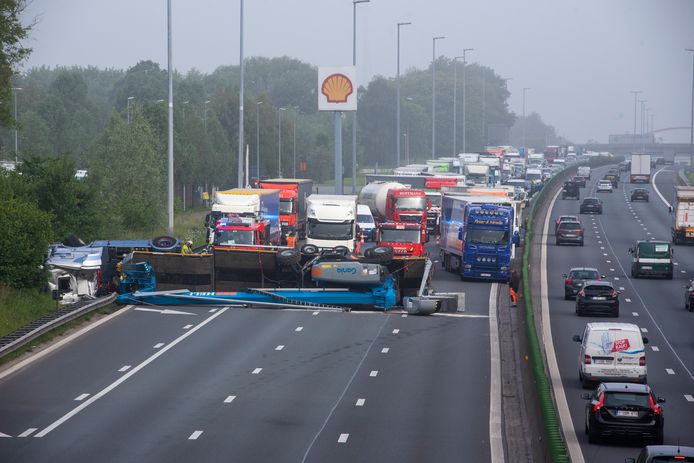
655, 305
259, 385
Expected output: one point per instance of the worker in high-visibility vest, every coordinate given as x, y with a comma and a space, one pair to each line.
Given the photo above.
291, 240
187, 247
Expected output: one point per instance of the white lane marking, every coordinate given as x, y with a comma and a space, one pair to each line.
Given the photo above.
385, 350
616, 278
676, 263
604, 254
575, 452
187, 327
60, 344
608, 261
644, 330
315, 313
229, 399
125, 377
373, 373
396, 331
299, 328
621, 288
360, 402
635, 314
458, 315
599, 242
28, 432
496, 438
81, 397
280, 347
256, 371
670, 371
213, 310
655, 348
627, 300
124, 368
343, 438
689, 398
195, 435
158, 345
656, 188
611, 270
683, 271
4, 435
602, 247
164, 311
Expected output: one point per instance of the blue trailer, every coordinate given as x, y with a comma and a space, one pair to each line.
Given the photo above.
477, 239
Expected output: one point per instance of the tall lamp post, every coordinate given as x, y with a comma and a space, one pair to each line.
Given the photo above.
691, 129
643, 111
170, 199
465, 98
455, 102
397, 106
130, 98
433, 95
525, 148
354, 119
279, 142
257, 139
241, 88
16, 122
296, 111
633, 147
204, 118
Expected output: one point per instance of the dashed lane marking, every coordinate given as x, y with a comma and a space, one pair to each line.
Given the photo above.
229, 399
655, 348
627, 300
195, 435
635, 314
299, 328
360, 402
385, 350
81, 397
689, 398
28, 432
616, 278
124, 368
213, 310
670, 371
621, 288
315, 313
343, 438
280, 347
373, 373
187, 327
396, 331
257, 371
158, 345
644, 330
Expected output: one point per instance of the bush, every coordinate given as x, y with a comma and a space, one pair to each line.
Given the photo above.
25, 233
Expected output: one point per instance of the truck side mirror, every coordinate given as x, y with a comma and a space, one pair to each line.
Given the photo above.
577, 338
645, 340
670, 209
460, 234
631, 250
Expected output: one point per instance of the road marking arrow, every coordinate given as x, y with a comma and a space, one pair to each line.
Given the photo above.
4, 435
165, 311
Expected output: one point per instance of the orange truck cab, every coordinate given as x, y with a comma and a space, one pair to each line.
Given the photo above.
293, 194
406, 239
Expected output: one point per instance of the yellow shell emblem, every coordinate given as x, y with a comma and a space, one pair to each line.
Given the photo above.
337, 88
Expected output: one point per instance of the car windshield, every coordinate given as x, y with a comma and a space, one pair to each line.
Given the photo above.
654, 250
626, 399
329, 231
231, 237
480, 236
389, 235
585, 274
410, 204
363, 218
435, 200
286, 206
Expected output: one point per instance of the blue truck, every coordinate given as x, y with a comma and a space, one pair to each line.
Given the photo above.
477, 240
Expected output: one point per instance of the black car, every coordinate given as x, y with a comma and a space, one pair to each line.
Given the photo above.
639, 194
663, 453
569, 232
591, 206
597, 296
576, 278
624, 410
570, 190
580, 181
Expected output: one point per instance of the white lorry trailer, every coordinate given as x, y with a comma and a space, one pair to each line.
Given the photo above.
331, 221
683, 215
640, 168
584, 171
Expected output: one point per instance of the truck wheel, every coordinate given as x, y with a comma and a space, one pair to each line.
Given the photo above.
309, 249
343, 250
163, 243
382, 253
288, 257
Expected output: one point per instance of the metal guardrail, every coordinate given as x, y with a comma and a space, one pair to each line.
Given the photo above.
33, 330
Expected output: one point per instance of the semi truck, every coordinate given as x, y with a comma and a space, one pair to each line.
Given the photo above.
640, 168
246, 217
477, 174
476, 239
683, 215
293, 194
406, 239
393, 201
584, 171
331, 221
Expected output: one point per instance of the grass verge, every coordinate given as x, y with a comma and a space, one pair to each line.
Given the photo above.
21, 306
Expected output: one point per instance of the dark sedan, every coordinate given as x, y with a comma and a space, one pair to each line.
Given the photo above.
569, 232
580, 181
624, 410
639, 194
591, 206
576, 278
599, 297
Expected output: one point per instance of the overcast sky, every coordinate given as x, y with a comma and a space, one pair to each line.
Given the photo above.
580, 59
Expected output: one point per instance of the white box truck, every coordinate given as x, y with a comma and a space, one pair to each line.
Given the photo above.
640, 168
331, 221
683, 215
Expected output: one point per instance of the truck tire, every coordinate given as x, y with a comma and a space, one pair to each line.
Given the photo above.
309, 250
288, 257
343, 250
164, 243
383, 254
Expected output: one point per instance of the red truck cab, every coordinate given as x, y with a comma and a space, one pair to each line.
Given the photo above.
407, 206
242, 232
406, 239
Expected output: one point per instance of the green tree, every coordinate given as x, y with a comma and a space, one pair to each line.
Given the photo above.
12, 52
25, 232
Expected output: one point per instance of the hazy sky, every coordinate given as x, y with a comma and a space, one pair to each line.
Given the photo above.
580, 59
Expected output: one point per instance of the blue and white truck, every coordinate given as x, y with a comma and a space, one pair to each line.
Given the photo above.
477, 239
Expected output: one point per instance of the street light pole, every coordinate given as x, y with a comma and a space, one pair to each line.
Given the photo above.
691, 129
643, 141
633, 147
525, 148
465, 50
130, 98
294, 142
279, 142
16, 122
433, 96
455, 102
204, 117
257, 139
170, 202
241, 88
354, 118
397, 110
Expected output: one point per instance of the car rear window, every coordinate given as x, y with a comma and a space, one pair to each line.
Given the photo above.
590, 201
625, 399
615, 340
598, 289
654, 250
570, 225
585, 274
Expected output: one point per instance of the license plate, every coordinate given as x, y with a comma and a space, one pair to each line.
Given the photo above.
647, 267
569, 235
602, 362
486, 274
627, 413
599, 298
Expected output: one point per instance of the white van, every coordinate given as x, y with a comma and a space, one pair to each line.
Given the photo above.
611, 352
365, 222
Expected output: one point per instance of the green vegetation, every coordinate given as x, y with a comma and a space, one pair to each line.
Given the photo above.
19, 307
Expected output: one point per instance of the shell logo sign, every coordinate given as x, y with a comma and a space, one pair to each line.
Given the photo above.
337, 89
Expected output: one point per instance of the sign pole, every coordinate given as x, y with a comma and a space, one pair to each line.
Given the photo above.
338, 153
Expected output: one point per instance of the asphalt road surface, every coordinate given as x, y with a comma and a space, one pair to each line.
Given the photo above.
260, 385
655, 305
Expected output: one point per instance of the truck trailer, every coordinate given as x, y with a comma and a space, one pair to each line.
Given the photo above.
393, 201
640, 168
248, 209
683, 215
293, 194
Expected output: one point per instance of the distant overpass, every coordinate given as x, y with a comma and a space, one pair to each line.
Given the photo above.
669, 151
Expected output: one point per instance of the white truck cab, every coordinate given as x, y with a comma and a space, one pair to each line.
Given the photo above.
331, 221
